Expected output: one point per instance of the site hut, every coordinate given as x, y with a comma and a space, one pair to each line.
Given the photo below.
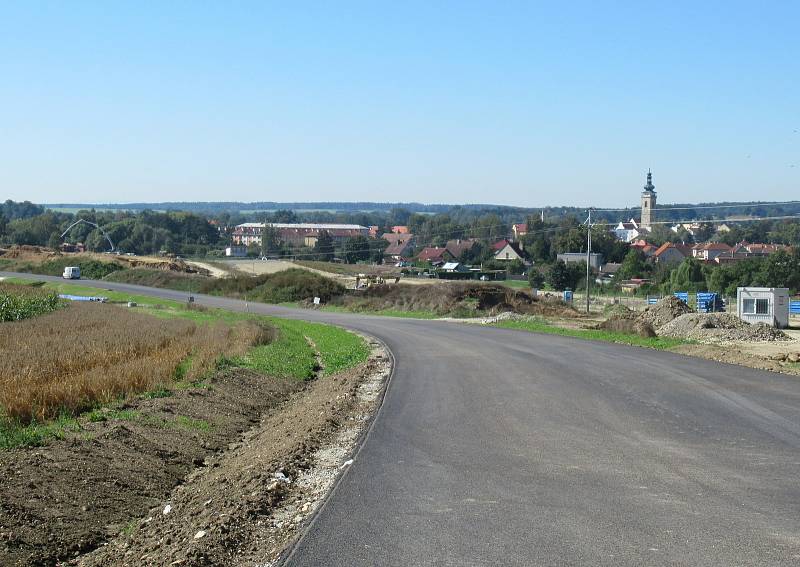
768, 305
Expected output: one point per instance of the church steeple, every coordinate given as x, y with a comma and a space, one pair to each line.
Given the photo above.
649, 186
648, 202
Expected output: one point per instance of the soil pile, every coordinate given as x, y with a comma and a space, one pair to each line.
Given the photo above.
719, 327
454, 299
663, 312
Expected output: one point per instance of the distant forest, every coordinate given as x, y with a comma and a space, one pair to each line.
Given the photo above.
327, 209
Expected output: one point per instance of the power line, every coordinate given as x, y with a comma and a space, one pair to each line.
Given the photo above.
507, 235
705, 207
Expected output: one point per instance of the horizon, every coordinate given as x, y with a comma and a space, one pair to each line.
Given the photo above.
522, 105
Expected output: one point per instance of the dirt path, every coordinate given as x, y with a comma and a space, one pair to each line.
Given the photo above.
213, 271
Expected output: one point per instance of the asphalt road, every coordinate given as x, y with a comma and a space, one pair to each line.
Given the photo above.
497, 447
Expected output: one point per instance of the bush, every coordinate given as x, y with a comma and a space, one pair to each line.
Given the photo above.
294, 284
92, 269
19, 302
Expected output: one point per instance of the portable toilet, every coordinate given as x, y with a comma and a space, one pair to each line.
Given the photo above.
768, 305
568, 296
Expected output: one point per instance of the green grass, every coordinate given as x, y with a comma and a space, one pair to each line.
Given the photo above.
35, 434
185, 422
515, 284
291, 356
539, 326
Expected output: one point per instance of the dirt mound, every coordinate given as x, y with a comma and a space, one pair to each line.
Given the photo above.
454, 299
664, 311
718, 327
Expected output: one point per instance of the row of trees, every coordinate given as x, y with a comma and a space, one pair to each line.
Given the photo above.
147, 232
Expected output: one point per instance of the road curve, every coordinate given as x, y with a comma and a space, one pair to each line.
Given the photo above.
498, 447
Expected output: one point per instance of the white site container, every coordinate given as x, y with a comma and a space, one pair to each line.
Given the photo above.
768, 305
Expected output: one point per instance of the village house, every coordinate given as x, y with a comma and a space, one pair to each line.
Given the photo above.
627, 231
645, 248
458, 246
670, 253
401, 246
709, 251
435, 255
519, 230
506, 251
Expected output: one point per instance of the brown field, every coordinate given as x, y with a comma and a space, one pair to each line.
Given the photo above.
76, 358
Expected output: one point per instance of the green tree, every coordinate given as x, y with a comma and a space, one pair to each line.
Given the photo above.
563, 275
688, 276
535, 278
323, 247
634, 265
356, 249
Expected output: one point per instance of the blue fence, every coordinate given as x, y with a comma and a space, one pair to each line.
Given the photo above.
708, 302
683, 296
82, 298
794, 307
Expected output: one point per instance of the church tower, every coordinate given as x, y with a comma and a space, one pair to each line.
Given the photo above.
648, 202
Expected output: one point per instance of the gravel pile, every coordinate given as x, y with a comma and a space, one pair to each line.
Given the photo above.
666, 310
719, 327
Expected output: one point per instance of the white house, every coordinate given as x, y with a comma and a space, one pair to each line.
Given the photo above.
507, 251
628, 231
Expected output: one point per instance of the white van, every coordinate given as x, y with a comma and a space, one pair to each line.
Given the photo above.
71, 273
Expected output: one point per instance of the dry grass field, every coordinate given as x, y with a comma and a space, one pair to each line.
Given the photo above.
89, 354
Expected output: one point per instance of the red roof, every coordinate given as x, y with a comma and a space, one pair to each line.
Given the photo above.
434, 254
682, 248
500, 244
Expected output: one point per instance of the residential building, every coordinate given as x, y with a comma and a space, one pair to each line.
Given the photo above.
401, 246
435, 255
507, 251
709, 251
670, 253
400, 229
519, 229
628, 231
458, 246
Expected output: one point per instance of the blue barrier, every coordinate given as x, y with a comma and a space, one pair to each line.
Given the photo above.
794, 307
708, 302
683, 296
82, 298
652, 300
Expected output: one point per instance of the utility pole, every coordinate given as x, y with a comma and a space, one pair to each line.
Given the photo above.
588, 255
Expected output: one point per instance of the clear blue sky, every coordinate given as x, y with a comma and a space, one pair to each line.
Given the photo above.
501, 102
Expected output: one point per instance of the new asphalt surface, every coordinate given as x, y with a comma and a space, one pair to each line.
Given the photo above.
498, 447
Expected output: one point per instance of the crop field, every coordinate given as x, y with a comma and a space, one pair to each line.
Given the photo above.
89, 354
92, 347
22, 302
